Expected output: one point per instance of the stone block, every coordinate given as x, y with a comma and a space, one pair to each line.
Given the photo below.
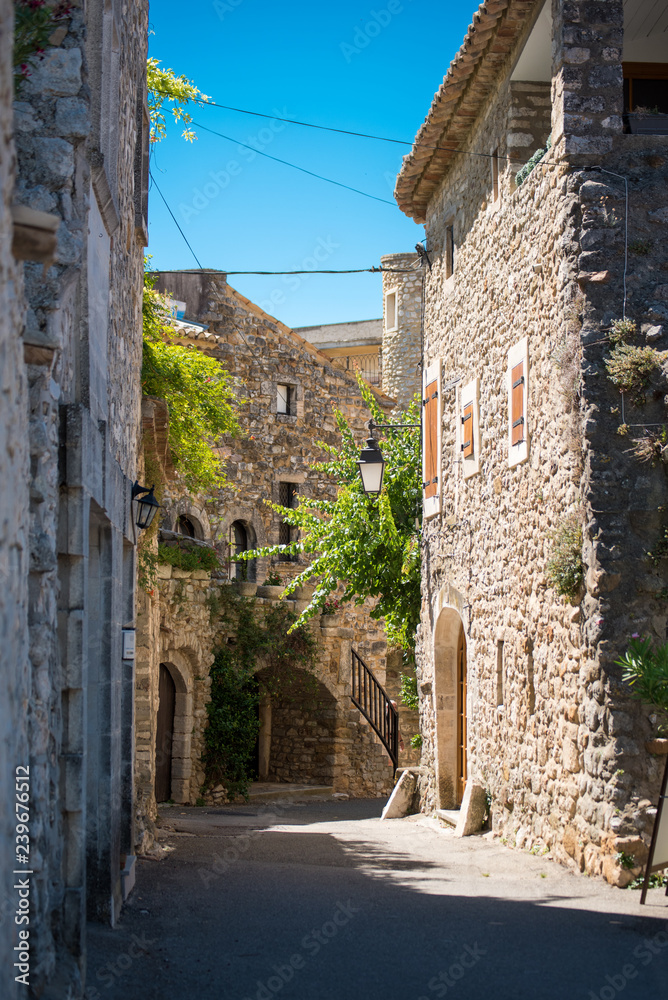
472, 810
72, 117
401, 800
57, 74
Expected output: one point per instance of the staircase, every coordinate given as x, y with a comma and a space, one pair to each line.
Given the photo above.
373, 702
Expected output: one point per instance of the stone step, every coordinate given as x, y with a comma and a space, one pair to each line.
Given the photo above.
448, 817
261, 791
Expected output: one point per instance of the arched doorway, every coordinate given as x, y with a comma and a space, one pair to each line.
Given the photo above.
450, 706
164, 735
186, 526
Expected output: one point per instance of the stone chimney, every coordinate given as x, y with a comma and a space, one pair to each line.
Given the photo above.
402, 337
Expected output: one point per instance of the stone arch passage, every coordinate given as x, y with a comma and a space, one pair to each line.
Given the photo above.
450, 707
179, 750
298, 731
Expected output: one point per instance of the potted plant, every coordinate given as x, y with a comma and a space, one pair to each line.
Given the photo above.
272, 586
646, 121
646, 671
304, 593
329, 614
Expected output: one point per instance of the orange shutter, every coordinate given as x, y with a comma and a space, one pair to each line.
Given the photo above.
467, 431
430, 404
517, 406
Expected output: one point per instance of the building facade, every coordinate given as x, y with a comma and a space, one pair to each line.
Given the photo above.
288, 392
74, 214
526, 436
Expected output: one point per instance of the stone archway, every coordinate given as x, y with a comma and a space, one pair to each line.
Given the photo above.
180, 744
299, 732
450, 706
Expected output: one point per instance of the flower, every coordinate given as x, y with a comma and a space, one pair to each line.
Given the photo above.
636, 635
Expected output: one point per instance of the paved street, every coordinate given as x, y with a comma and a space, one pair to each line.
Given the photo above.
322, 901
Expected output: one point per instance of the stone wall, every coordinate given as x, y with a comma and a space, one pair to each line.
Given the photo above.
14, 499
402, 344
82, 347
553, 735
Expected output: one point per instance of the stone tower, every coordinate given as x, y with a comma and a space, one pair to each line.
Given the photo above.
402, 315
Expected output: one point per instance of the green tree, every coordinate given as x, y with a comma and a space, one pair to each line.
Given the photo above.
178, 91
198, 391
369, 544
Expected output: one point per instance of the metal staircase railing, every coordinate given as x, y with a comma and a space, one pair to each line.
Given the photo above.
373, 702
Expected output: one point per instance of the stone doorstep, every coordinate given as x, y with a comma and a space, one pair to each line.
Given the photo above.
448, 817
263, 791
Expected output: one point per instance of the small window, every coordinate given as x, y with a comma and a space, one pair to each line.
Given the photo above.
518, 395
391, 319
285, 399
287, 497
499, 672
495, 174
449, 251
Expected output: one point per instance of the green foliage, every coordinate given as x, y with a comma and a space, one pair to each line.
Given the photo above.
416, 741
369, 544
198, 392
646, 671
623, 331
273, 579
524, 171
564, 569
286, 655
626, 861
409, 691
34, 22
641, 247
656, 881
163, 85
188, 557
630, 369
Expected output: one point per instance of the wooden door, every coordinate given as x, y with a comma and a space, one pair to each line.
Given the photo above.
164, 735
461, 717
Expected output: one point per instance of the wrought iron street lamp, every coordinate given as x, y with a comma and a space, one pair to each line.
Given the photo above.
146, 505
371, 462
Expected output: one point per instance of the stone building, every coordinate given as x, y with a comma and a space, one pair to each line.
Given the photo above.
354, 346
74, 180
288, 392
402, 325
525, 434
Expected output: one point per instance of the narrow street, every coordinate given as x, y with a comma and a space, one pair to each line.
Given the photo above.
320, 900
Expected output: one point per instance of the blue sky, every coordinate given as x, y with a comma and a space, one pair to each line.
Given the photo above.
353, 65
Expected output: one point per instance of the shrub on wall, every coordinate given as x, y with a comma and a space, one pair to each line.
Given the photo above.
564, 569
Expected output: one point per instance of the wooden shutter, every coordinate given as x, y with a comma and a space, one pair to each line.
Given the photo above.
467, 431
431, 439
517, 376
430, 403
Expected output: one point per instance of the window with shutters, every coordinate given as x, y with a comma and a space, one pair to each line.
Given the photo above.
468, 430
284, 398
518, 396
449, 249
287, 497
431, 439
288, 400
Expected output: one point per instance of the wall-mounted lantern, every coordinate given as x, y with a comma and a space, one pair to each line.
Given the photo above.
146, 505
371, 462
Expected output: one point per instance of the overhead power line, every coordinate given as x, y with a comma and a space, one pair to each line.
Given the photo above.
360, 135
157, 187
295, 167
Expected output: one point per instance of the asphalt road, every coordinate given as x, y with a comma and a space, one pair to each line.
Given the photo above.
323, 901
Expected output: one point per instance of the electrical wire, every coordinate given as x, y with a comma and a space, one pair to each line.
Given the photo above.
360, 135
294, 166
157, 187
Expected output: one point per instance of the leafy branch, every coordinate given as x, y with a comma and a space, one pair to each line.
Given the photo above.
164, 85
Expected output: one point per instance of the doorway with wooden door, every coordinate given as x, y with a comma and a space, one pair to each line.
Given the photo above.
450, 707
461, 716
164, 735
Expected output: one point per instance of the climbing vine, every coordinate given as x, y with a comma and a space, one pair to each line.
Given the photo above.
286, 659
198, 391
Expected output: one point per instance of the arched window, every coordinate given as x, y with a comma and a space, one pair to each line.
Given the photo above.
185, 526
240, 540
